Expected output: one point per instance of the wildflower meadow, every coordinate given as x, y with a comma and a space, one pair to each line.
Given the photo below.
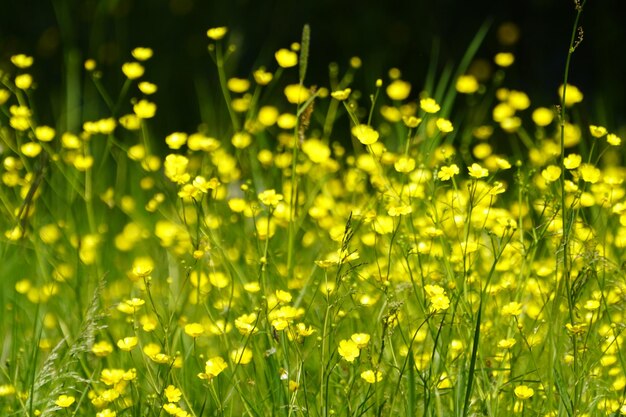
436, 247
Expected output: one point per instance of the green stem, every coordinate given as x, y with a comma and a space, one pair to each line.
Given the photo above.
565, 224
219, 55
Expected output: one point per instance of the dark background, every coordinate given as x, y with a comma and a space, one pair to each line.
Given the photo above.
384, 34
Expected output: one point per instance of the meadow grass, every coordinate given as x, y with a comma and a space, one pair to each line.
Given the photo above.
344, 250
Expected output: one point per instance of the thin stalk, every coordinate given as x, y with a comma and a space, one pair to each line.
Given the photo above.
565, 224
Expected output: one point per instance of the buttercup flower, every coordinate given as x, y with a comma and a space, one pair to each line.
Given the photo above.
217, 33
365, 134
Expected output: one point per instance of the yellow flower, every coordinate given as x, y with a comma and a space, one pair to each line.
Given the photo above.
467, 84
316, 150
572, 95
144, 109
194, 329
176, 168
506, 343
90, 64
592, 305
241, 356
30, 149
22, 61
439, 302
597, 131
135, 302
404, 164
613, 139
296, 93
372, 376
447, 172
24, 81
361, 339
477, 171
83, 162
398, 90
65, 401
44, 133
444, 125
551, 173
238, 85
4, 96
411, 121
523, 392
589, 173
341, 94
572, 161
147, 87
270, 198
127, 344
217, 33
241, 140
542, 116
511, 309
214, 366
106, 412
246, 323
172, 394
262, 77
518, 100
429, 105
286, 58
176, 140
348, 350
504, 59
365, 134
283, 296
141, 53
102, 348
132, 70
142, 267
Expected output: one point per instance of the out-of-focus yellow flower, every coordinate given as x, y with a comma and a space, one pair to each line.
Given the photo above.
572, 95
132, 70
341, 94
213, 368
286, 58
297, 93
348, 350
372, 376
241, 356
365, 134
44, 133
145, 109
65, 401
142, 53
398, 90
194, 329
477, 171
127, 344
597, 131
429, 105
444, 125
467, 84
523, 392
217, 33
504, 59
542, 116
262, 77
238, 85
22, 61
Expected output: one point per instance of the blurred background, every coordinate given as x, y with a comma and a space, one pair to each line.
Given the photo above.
403, 34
